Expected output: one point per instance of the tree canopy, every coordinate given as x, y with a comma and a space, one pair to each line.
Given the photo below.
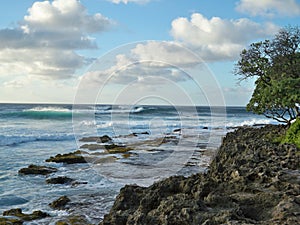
276, 66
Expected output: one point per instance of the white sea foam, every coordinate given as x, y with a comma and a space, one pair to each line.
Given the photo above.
47, 109
250, 122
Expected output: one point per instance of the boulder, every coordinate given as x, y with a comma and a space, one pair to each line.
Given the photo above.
60, 203
102, 139
73, 220
69, 158
10, 221
25, 217
113, 148
37, 170
59, 180
92, 146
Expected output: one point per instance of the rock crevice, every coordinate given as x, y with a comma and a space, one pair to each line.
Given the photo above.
251, 180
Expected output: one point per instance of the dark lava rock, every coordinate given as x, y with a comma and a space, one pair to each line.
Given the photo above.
73, 220
25, 217
39, 170
69, 158
170, 139
177, 130
92, 146
113, 148
251, 180
142, 133
59, 180
10, 221
102, 139
60, 203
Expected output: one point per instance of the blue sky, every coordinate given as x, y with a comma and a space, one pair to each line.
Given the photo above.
132, 51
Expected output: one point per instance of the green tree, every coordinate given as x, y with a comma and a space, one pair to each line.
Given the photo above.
276, 66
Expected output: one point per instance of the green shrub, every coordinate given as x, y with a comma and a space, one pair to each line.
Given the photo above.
292, 135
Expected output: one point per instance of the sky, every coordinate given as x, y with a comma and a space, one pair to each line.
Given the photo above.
132, 51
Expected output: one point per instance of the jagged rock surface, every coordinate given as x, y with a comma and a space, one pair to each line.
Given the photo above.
252, 180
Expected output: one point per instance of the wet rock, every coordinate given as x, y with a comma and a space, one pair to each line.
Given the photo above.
76, 183
25, 217
73, 220
59, 180
69, 158
92, 146
251, 180
114, 149
102, 139
108, 159
177, 130
171, 139
60, 203
10, 221
134, 134
38, 170
141, 133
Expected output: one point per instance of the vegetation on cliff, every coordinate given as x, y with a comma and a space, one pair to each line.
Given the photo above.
292, 135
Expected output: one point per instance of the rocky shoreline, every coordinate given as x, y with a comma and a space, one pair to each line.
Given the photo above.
252, 180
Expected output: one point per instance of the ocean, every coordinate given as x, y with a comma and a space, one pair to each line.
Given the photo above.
163, 140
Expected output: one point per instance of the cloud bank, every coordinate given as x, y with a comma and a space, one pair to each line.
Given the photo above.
46, 41
218, 39
269, 8
196, 40
145, 63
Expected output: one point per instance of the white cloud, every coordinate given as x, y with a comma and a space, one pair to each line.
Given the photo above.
154, 68
13, 84
45, 44
146, 63
269, 8
127, 1
218, 39
164, 52
32, 89
68, 16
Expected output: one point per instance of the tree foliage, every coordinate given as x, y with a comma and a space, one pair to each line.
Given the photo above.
276, 66
292, 135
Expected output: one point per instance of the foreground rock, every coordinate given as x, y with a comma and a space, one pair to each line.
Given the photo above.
252, 180
102, 139
10, 221
21, 217
60, 180
69, 158
73, 220
37, 170
60, 203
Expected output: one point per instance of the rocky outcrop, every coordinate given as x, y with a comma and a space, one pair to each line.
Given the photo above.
73, 220
20, 217
69, 158
37, 170
101, 139
251, 180
60, 203
59, 180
